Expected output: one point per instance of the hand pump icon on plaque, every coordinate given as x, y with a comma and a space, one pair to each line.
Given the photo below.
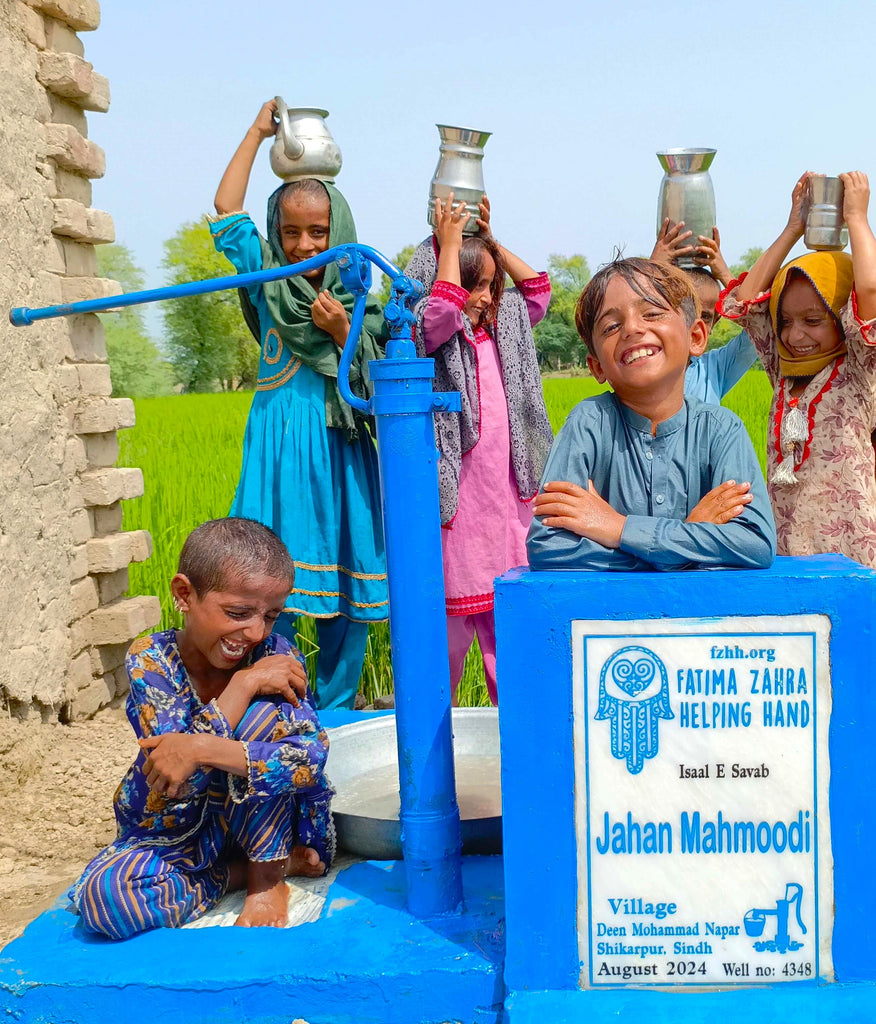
755, 920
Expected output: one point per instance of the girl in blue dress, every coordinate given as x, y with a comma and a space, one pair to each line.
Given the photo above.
309, 468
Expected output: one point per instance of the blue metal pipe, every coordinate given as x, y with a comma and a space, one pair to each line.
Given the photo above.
403, 406
23, 316
356, 278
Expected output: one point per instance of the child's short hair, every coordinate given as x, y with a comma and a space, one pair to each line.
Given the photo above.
313, 188
221, 550
702, 278
701, 275
471, 260
672, 285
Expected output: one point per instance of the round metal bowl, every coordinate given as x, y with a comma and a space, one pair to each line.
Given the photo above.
363, 768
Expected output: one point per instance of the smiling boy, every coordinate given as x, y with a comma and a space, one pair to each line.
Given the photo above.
638, 477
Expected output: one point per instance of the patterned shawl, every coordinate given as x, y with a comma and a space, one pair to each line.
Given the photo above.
289, 304
456, 370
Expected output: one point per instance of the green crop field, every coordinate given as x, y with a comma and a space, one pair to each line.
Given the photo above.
188, 447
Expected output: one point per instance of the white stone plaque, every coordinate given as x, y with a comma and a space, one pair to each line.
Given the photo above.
701, 773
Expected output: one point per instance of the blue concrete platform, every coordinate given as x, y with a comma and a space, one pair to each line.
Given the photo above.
365, 961
806, 1003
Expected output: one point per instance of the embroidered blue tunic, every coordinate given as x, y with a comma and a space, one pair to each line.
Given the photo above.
656, 482
168, 863
318, 492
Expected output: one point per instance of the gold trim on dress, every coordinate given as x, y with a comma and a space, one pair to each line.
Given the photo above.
329, 615
283, 377
340, 568
279, 374
225, 216
339, 593
272, 361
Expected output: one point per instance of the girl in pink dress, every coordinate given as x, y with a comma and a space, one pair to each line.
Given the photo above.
493, 453
813, 323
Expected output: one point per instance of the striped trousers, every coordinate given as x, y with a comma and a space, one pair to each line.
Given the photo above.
153, 881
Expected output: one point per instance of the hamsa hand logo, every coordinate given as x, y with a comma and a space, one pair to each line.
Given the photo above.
634, 696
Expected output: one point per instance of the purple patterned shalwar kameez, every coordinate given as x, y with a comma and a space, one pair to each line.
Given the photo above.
168, 864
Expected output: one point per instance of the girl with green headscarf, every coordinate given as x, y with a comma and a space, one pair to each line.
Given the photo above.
813, 322
309, 467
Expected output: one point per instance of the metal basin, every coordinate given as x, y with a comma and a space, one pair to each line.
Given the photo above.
363, 768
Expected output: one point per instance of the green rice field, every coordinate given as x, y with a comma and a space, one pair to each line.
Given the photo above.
188, 447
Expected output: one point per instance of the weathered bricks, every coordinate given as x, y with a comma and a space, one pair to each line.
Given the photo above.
113, 585
81, 15
73, 219
72, 151
33, 24
106, 520
95, 379
102, 449
99, 417
70, 76
116, 623
84, 598
63, 507
109, 554
106, 486
82, 289
62, 38
90, 698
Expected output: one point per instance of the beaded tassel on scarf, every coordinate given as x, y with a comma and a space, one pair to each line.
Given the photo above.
793, 436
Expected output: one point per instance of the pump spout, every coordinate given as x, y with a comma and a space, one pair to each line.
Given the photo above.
794, 894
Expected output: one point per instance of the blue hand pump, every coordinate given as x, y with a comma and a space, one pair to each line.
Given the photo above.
403, 406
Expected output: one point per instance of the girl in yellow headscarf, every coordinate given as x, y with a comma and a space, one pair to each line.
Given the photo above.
813, 323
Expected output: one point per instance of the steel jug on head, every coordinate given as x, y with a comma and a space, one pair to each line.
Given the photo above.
304, 147
825, 229
686, 194
460, 171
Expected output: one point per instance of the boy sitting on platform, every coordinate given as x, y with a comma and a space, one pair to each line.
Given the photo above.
641, 477
228, 790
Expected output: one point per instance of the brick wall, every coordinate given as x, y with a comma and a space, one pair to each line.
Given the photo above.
64, 622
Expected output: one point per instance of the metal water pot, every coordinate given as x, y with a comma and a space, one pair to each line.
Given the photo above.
825, 229
686, 193
304, 147
460, 171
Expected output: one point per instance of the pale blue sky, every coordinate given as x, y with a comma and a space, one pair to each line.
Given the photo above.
579, 96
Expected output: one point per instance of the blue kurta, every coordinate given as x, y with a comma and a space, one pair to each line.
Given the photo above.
318, 492
711, 375
656, 482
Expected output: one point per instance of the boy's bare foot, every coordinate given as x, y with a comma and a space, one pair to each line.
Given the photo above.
267, 898
304, 860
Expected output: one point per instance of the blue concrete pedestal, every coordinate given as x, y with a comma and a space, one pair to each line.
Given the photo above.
539, 731
365, 961
838, 1004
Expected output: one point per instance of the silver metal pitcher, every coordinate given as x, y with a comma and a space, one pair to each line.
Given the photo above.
825, 229
304, 147
460, 171
686, 194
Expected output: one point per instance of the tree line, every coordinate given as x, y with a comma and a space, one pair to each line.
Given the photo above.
206, 345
